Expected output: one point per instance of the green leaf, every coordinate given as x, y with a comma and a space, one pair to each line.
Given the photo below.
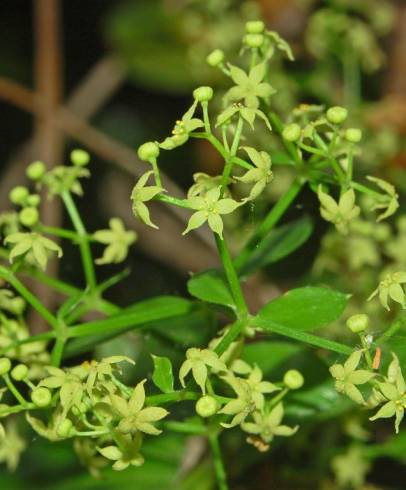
303, 309
280, 243
210, 286
134, 316
163, 375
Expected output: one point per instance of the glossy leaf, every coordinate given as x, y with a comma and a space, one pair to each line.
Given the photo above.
210, 286
162, 375
303, 309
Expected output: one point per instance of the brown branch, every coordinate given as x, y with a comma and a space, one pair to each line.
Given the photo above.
98, 142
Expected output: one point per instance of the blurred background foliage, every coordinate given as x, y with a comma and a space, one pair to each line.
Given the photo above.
348, 52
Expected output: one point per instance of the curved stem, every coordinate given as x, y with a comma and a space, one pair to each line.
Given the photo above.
218, 462
86, 254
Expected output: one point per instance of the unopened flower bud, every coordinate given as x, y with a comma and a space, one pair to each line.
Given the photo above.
206, 406
254, 27
203, 94
353, 135
79, 157
19, 372
18, 194
17, 305
293, 379
33, 200
358, 323
64, 428
337, 114
148, 151
28, 216
215, 57
292, 132
5, 365
253, 40
36, 170
41, 397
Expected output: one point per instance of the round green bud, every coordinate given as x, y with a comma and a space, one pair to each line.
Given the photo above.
206, 406
33, 200
29, 216
18, 194
41, 397
19, 372
293, 379
203, 94
255, 27
254, 40
358, 323
337, 115
79, 157
148, 151
215, 57
292, 132
64, 428
5, 365
17, 305
36, 170
353, 135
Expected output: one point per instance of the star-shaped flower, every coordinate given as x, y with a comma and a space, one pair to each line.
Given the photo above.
347, 376
141, 194
268, 425
391, 203
133, 416
259, 176
204, 183
241, 406
182, 129
340, 213
249, 87
394, 391
117, 239
127, 454
248, 114
35, 246
210, 208
391, 287
99, 371
197, 361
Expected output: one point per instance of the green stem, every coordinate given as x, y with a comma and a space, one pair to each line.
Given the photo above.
62, 233
182, 203
392, 330
17, 395
157, 175
206, 119
368, 357
230, 336
232, 278
277, 124
29, 297
185, 427
365, 190
86, 254
33, 338
176, 396
278, 398
218, 462
352, 82
269, 222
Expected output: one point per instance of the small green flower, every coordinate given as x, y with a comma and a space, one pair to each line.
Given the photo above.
351, 468
210, 208
340, 213
248, 114
391, 287
268, 425
182, 129
61, 179
11, 445
391, 203
34, 245
280, 44
249, 87
197, 361
99, 371
261, 175
241, 406
141, 194
394, 391
347, 376
125, 455
133, 416
70, 385
117, 239
204, 183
